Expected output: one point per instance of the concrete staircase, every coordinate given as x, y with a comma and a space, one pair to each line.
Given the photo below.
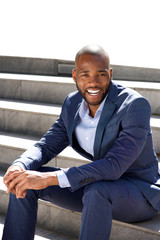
32, 89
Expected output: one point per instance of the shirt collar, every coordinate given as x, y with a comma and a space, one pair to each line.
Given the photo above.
84, 110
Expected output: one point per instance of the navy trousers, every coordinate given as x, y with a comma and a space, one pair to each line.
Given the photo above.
99, 202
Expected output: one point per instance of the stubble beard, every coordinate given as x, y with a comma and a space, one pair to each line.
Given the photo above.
92, 103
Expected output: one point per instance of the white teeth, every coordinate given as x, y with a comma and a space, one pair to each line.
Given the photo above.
93, 92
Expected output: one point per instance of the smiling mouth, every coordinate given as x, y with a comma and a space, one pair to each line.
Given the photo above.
93, 92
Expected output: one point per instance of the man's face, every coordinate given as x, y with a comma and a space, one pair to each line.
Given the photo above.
92, 77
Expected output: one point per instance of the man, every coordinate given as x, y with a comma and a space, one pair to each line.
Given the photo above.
106, 123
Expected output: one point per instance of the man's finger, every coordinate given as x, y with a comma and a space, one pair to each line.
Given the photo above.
10, 171
21, 189
13, 191
13, 180
11, 176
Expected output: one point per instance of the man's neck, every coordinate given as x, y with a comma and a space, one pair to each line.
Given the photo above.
93, 110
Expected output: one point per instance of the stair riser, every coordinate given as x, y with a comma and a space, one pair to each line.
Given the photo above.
55, 92
44, 66
28, 123
37, 124
9, 154
33, 91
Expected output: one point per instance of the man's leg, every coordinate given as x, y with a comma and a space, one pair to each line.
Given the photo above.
21, 216
104, 200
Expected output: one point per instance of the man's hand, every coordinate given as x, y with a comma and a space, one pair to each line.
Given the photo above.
23, 180
10, 171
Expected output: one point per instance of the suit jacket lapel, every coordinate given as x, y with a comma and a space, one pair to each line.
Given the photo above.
72, 126
73, 117
108, 110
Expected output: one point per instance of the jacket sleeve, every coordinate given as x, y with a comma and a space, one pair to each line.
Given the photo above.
50, 145
125, 150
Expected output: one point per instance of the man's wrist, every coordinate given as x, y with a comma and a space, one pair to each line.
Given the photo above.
20, 164
52, 179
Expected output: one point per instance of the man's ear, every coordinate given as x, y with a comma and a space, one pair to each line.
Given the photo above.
111, 73
74, 75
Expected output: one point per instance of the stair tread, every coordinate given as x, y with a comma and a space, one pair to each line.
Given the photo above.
30, 107
139, 84
40, 78
155, 121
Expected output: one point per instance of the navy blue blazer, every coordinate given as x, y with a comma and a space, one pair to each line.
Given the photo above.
123, 146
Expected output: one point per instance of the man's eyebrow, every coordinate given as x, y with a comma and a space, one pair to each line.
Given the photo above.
100, 70
104, 70
85, 71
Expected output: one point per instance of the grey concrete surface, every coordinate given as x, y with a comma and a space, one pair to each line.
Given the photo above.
27, 65
131, 73
13, 145
53, 90
43, 66
32, 88
37, 66
41, 233
31, 119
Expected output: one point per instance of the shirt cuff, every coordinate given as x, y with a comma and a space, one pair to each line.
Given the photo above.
19, 164
62, 179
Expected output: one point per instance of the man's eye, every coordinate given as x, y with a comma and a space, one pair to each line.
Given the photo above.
85, 75
101, 74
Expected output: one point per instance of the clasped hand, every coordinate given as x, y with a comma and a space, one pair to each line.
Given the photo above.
18, 180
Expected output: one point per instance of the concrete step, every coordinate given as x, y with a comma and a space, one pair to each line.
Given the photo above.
54, 67
34, 88
13, 145
28, 118
35, 119
41, 233
50, 217
36, 66
47, 89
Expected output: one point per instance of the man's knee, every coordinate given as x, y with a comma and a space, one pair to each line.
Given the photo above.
97, 191
31, 195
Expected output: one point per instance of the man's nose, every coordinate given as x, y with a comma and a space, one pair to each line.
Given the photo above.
93, 80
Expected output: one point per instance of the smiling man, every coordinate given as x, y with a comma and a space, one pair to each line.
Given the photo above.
92, 77
107, 124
